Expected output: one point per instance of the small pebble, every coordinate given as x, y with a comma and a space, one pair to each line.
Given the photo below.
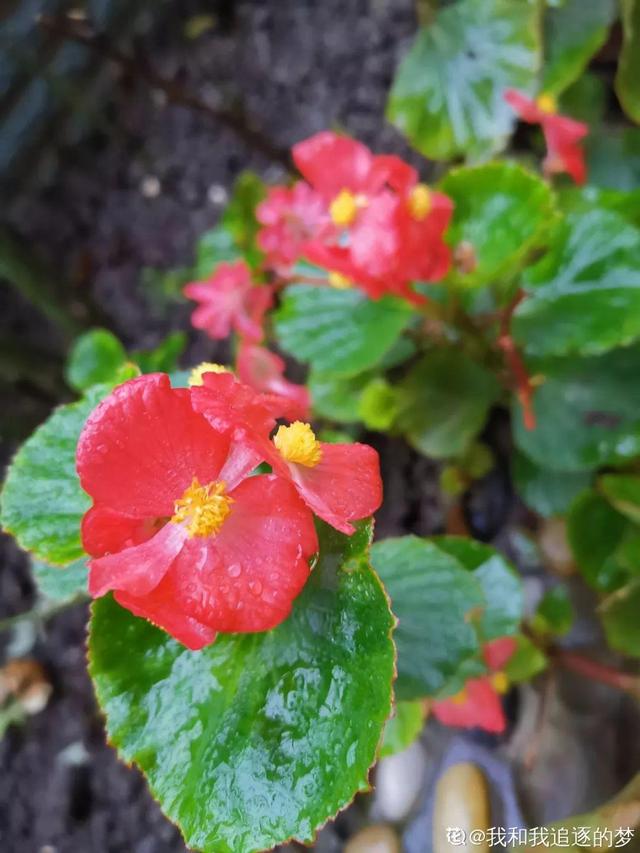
150, 187
554, 545
378, 838
462, 802
399, 779
217, 194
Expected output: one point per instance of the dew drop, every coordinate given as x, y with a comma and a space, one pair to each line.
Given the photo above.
255, 587
234, 571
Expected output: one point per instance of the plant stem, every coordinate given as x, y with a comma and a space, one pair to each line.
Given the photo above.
598, 671
515, 362
139, 68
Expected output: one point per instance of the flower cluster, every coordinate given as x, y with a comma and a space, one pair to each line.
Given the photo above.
478, 703
182, 528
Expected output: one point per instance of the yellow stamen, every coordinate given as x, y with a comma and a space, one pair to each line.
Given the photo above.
195, 377
420, 201
298, 443
500, 682
460, 698
339, 281
344, 208
203, 507
547, 103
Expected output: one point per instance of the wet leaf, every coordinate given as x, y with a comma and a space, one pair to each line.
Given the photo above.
543, 490
403, 728
61, 583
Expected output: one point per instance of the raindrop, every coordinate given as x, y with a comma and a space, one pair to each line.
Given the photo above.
255, 587
234, 571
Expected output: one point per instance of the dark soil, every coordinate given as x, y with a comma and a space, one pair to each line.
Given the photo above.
297, 66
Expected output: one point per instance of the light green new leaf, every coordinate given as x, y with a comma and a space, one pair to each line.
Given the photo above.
403, 728
339, 332
95, 357
444, 401
572, 34
433, 597
503, 211
526, 662
257, 738
584, 295
447, 97
42, 502
619, 615
628, 77
587, 412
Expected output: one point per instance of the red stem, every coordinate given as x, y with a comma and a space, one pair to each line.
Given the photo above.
515, 362
598, 671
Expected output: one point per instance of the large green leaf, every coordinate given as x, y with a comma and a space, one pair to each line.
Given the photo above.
42, 502
500, 584
619, 615
584, 295
546, 491
628, 77
613, 158
623, 492
95, 357
337, 397
503, 211
257, 738
444, 401
587, 410
339, 332
572, 34
447, 96
626, 204
61, 583
434, 598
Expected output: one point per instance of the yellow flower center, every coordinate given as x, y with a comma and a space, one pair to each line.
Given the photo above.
344, 208
203, 507
339, 281
460, 698
298, 443
195, 377
420, 201
547, 103
500, 682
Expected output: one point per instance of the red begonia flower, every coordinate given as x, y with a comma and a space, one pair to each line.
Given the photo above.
478, 704
341, 483
562, 134
229, 300
178, 530
290, 216
263, 370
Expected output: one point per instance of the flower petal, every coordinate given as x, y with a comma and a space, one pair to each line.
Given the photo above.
160, 609
498, 652
481, 708
331, 163
105, 531
143, 445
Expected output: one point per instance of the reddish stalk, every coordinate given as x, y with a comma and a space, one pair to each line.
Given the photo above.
523, 385
598, 671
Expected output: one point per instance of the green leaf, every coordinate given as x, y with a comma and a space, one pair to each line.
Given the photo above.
572, 35
403, 728
336, 397
546, 491
623, 491
213, 247
163, 358
619, 615
584, 295
504, 211
613, 158
340, 332
596, 534
500, 584
586, 99
586, 415
433, 597
378, 405
257, 738
554, 615
526, 662
239, 217
61, 583
95, 357
626, 204
42, 502
444, 401
447, 97
628, 74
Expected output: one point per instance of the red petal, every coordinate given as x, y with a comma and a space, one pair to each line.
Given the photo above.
105, 531
482, 708
498, 652
141, 448
139, 569
331, 163
160, 609
525, 107
344, 486
264, 371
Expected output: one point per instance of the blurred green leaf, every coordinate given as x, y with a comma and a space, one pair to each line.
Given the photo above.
547, 492
586, 99
447, 97
623, 492
583, 199
628, 77
555, 614
403, 727
378, 405
239, 217
619, 615
503, 211
337, 397
164, 357
573, 33
95, 357
584, 295
339, 332
613, 158
61, 583
526, 662
444, 401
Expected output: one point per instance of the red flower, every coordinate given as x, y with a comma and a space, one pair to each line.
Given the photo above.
562, 134
230, 300
178, 530
478, 703
264, 371
290, 216
339, 482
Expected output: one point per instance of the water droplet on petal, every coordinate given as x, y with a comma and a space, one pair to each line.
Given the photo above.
255, 587
234, 570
